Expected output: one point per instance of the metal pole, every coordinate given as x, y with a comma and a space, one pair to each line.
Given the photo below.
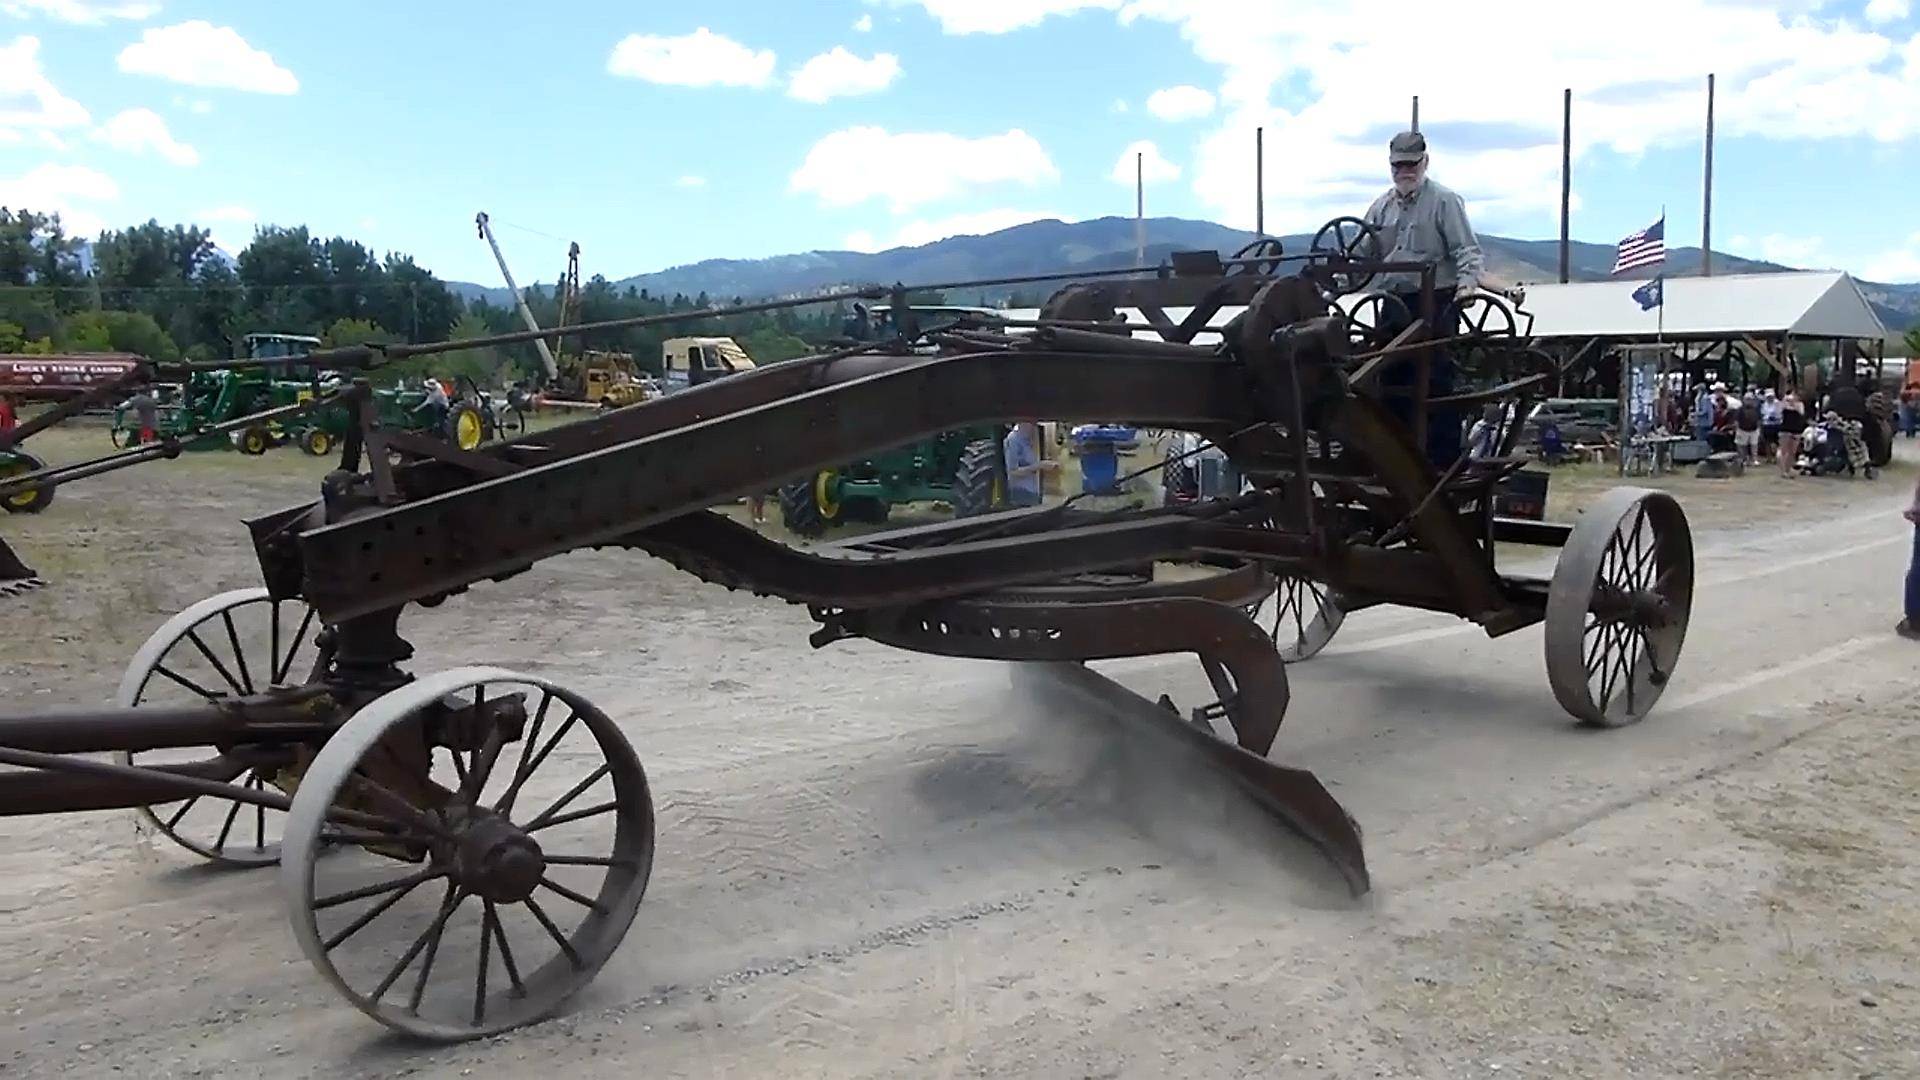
1260, 181
1706, 198
1566, 185
1139, 209
1416, 112
546, 354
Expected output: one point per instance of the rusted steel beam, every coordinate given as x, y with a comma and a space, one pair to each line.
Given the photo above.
264, 718
37, 791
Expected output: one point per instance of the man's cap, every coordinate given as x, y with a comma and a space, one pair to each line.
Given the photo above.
1407, 146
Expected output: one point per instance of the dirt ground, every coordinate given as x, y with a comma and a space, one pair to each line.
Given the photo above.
874, 863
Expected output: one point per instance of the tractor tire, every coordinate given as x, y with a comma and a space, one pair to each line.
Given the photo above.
14, 463
315, 442
800, 511
255, 441
977, 484
466, 427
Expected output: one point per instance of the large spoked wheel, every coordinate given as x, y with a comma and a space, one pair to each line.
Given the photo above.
478, 887
1372, 315
1618, 605
1343, 242
228, 645
1306, 615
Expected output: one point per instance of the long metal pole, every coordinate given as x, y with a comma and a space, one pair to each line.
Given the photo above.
1706, 198
1566, 185
1260, 181
526, 315
1139, 209
1416, 112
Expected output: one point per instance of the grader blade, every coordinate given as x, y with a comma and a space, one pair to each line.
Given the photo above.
15, 576
1295, 797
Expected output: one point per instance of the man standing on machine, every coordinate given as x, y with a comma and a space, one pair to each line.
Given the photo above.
1421, 221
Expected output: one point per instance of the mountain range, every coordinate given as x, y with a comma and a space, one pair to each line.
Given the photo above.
1039, 247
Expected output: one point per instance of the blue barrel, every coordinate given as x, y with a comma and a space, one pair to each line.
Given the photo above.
1099, 457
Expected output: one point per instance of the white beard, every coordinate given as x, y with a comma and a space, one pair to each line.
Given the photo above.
1406, 185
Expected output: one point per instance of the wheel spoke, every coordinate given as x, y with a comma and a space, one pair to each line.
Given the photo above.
348, 897
182, 812
560, 939
480, 972
259, 813
454, 896
526, 752
547, 816
586, 860
162, 669
505, 805
403, 811
194, 637
577, 815
484, 759
506, 952
233, 811
239, 657
369, 915
282, 666
583, 901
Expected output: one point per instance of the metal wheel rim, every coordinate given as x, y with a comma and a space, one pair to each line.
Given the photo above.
552, 983
468, 430
1609, 670
301, 626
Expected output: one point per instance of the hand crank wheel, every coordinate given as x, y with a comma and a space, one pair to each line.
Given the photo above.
1618, 605
477, 886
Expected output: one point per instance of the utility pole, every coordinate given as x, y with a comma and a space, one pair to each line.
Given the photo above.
1706, 197
1259, 181
526, 316
1566, 185
1416, 112
1139, 209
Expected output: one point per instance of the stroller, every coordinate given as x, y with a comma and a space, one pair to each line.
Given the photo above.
1834, 446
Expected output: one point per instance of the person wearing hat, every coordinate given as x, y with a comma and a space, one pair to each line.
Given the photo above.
1421, 221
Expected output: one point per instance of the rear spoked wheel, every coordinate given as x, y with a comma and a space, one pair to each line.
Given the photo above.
1306, 615
1618, 606
490, 882
230, 645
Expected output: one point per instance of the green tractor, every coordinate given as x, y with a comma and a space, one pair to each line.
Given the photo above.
963, 468
215, 397
470, 418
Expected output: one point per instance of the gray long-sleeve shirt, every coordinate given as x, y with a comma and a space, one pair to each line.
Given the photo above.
1429, 226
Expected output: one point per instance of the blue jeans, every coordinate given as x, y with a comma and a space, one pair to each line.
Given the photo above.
1913, 581
1443, 422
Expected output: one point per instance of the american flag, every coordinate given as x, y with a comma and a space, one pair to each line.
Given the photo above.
1644, 248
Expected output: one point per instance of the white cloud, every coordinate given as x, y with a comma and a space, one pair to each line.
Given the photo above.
1000, 16
79, 12
863, 24
197, 106
1886, 11
691, 181
1153, 168
1118, 107
1902, 264
1330, 80
1180, 103
49, 140
13, 138
63, 189
198, 53
913, 168
136, 131
842, 74
860, 240
702, 58
28, 99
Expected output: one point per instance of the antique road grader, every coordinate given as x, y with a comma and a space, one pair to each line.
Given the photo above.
460, 852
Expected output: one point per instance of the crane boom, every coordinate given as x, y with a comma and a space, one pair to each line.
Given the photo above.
546, 354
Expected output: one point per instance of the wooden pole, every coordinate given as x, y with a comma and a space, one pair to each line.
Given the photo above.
1566, 185
1259, 182
1706, 197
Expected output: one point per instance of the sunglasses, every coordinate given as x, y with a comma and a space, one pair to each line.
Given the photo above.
1408, 166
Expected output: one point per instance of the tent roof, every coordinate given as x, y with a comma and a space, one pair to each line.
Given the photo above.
1813, 303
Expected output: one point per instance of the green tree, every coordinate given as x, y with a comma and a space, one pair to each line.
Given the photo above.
345, 332
1912, 340
117, 331
12, 337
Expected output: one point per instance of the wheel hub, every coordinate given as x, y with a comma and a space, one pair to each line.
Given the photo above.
494, 859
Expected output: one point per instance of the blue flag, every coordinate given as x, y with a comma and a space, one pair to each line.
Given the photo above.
1651, 295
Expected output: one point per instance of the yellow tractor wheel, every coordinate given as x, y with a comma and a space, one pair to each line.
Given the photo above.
824, 497
316, 442
467, 427
254, 441
19, 463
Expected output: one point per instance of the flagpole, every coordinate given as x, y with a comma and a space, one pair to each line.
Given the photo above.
1660, 323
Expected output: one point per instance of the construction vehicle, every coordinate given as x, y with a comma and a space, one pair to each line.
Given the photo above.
591, 378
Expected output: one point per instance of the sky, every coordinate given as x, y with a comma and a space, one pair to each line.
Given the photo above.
657, 133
